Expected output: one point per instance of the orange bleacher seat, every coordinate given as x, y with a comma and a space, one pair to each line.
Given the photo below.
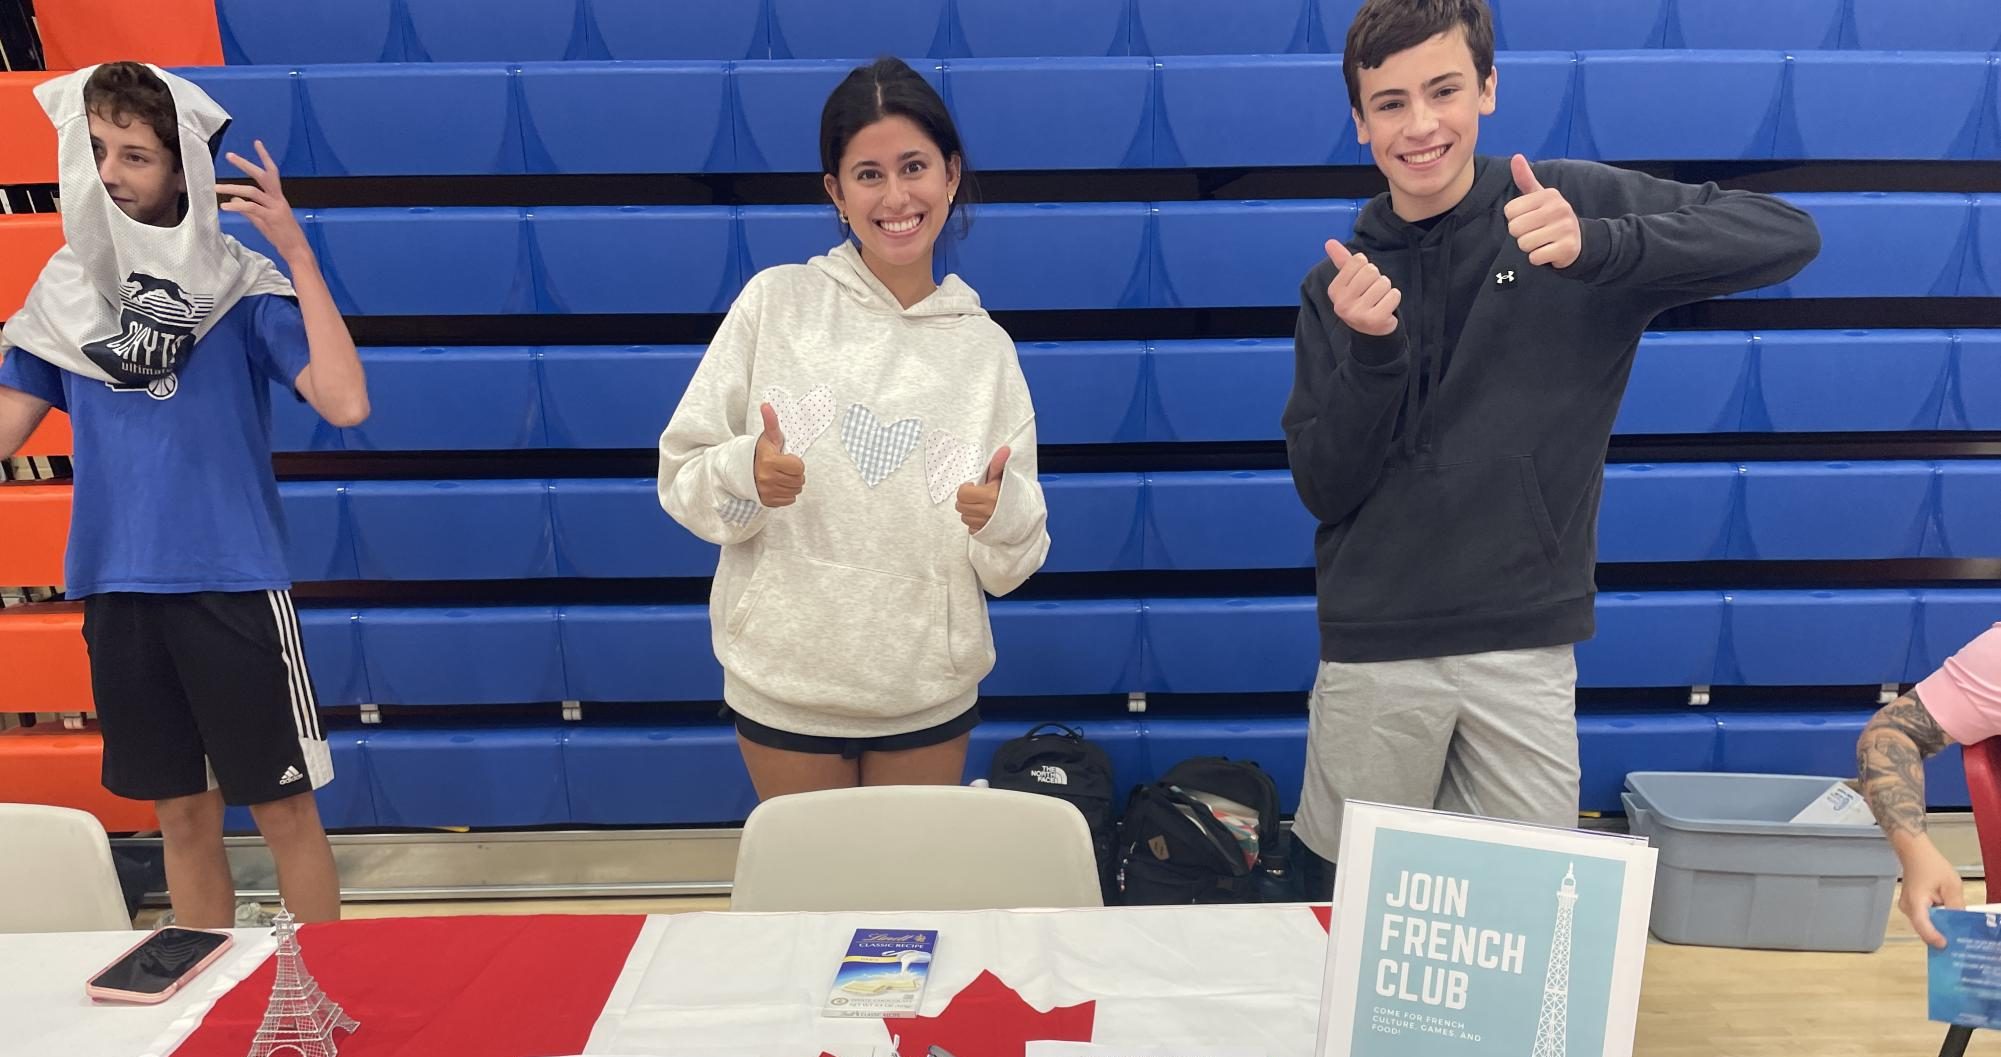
52, 438
42, 656
27, 241
30, 157
79, 33
34, 520
47, 765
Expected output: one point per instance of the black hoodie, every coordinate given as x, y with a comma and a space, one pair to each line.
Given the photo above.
1455, 465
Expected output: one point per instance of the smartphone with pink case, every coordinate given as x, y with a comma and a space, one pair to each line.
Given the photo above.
158, 965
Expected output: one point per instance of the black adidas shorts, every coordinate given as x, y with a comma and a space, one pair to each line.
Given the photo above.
204, 691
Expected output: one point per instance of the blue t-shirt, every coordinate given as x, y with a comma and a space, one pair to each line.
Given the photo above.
175, 495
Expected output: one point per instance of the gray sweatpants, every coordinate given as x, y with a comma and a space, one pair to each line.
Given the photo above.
1491, 734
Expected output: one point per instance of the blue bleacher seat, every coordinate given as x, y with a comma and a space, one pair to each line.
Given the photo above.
1535, 118
1200, 27
1846, 105
451, 530
1230, 645
1275, 743
345, 803
1976, 402
261, 33
420, 120
1798, 26
451, 399
1667, 513
497, 30
1947, 621
811, 29
648, 29
494, 655
1850, 380
1120, 738
998, 28
587, 117
490, 777
263, 104
1817, 638
1821, 742
1940, 25
1086, 392
1094, 522
1989, 146
609, 259
1827, 511
769, 236
1969, 510
777, 107
239, 227
295, 426
319, 543
639, 653
1215, 519
1239, 254
1724, 106
1013, 259
656, 775
1613, 744
1653, 638
1223, 111
1687, 383
615, 528
1327, 25
1983, 273
423, 261
1054, 113
1878, 244
1218, 390
1064, 648
1562, 25
332, 641
613, 397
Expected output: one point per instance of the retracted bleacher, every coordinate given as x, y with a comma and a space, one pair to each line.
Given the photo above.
1800, 481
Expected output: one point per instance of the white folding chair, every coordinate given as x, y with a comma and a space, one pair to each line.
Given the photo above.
56, 873
933, 847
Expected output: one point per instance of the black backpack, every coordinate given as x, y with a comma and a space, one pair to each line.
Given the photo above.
1065, 766
1173, 848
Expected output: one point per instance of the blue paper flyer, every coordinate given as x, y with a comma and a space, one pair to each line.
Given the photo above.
883, 974
1965, 975
1456, 937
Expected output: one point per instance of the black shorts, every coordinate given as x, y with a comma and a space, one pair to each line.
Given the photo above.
204, 691
852, 748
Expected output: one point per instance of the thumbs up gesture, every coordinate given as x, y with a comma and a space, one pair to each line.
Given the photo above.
1362, 296
977, 501
1542, 223
779, 476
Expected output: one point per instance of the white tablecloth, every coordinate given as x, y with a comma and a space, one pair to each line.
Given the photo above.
44, 1012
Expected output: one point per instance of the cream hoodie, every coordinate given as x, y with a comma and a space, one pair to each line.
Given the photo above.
857, 611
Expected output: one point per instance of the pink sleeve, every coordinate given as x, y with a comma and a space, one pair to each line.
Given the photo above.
1965, 695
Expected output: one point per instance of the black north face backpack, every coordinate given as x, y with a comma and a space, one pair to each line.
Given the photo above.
1175, 847
1063, 765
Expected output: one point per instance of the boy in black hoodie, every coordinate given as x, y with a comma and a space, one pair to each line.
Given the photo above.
1459, 365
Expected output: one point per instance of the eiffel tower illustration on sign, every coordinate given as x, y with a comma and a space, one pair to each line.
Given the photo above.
1552, 1032
301, 1019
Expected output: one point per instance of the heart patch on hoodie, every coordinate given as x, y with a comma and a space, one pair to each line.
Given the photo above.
804, 419
878, 450
948, 463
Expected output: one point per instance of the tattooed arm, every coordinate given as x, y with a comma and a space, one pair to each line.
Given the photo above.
1891, 756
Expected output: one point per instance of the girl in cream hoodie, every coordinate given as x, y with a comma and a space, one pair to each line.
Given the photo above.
860, 441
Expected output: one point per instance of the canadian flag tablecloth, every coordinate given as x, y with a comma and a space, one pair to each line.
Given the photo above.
734, 985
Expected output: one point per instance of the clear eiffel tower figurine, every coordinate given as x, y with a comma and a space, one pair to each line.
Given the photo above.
301, 1019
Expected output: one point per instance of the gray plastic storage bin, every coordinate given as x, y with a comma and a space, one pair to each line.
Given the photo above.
1734, 872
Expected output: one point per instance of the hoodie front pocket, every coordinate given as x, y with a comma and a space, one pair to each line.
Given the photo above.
848, 640
1442, 541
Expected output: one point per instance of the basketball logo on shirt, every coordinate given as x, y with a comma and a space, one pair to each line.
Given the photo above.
156, 333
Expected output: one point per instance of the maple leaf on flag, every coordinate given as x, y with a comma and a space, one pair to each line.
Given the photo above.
990, 1019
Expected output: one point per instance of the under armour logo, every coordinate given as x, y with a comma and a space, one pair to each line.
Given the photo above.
1503, 278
